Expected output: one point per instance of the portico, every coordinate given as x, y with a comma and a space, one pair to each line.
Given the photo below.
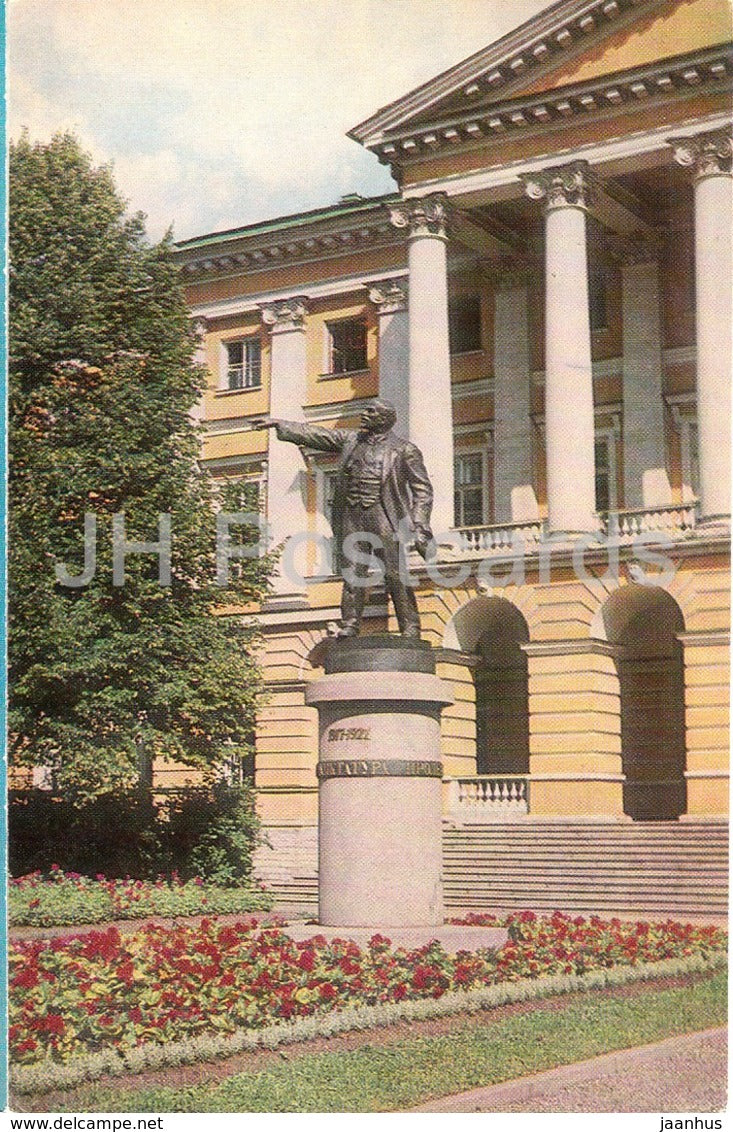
614, 191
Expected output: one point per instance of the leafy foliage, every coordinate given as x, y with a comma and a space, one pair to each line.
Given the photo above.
68, 899
207, 832
48, 1075
85, 992
105, 678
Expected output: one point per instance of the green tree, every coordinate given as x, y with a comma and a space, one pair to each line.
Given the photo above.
105, 677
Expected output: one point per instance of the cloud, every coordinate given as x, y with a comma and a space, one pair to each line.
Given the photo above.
220, 112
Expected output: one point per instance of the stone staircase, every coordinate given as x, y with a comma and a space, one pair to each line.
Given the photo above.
645, 868
680, 868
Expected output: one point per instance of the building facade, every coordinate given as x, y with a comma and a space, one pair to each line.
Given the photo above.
546, 300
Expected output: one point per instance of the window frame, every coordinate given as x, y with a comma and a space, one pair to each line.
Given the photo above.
689, 457
332, 324
454, 304
325, 470
483, 452
245, 341
598, 280
607, 435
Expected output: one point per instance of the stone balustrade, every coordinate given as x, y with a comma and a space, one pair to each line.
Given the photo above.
489, 797
673, 517
501, 537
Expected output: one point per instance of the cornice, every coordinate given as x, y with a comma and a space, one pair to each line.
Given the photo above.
337, 285
658, 84
613, 367
627, 146
309, 242
542, 43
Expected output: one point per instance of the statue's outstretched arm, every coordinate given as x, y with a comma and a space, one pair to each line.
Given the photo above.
309, 436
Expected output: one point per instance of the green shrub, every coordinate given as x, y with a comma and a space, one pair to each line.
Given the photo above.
212, 834
116, 834
206, 832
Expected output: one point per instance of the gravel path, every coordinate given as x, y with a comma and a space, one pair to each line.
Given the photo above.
682, 1074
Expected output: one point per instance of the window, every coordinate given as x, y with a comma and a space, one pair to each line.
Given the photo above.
470, 489
464, 324
243, 364
597, 288
348, 345
605, 460
238, 769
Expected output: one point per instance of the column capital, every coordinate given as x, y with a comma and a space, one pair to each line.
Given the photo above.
199, 324
289, 314
423, 216
389, 296
707, 154
562, 186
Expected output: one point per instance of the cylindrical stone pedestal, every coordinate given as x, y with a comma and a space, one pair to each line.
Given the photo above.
379, 794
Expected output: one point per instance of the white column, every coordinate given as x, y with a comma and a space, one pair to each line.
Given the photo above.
709, 157
646, 481
514, 495
287, 514
390, 299
568, 372
430, 407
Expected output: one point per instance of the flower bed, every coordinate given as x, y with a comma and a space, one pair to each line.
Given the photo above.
561, 944
101, 990
69, 899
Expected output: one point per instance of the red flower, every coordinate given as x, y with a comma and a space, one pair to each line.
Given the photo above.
306, 960
228, 937
327, 991
102, 945
54, 1024
26, 977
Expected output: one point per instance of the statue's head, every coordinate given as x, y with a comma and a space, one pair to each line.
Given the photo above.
378, 416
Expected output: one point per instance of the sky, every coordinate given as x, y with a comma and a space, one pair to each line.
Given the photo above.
218, 113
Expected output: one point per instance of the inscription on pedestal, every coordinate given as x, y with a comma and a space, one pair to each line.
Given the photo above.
379, 768
342, 734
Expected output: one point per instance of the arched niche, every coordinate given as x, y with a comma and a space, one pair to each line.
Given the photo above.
642, 622
493, 630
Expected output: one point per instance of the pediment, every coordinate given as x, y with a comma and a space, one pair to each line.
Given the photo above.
571, 43
676, 29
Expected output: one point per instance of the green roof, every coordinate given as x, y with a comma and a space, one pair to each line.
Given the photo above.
345, 207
